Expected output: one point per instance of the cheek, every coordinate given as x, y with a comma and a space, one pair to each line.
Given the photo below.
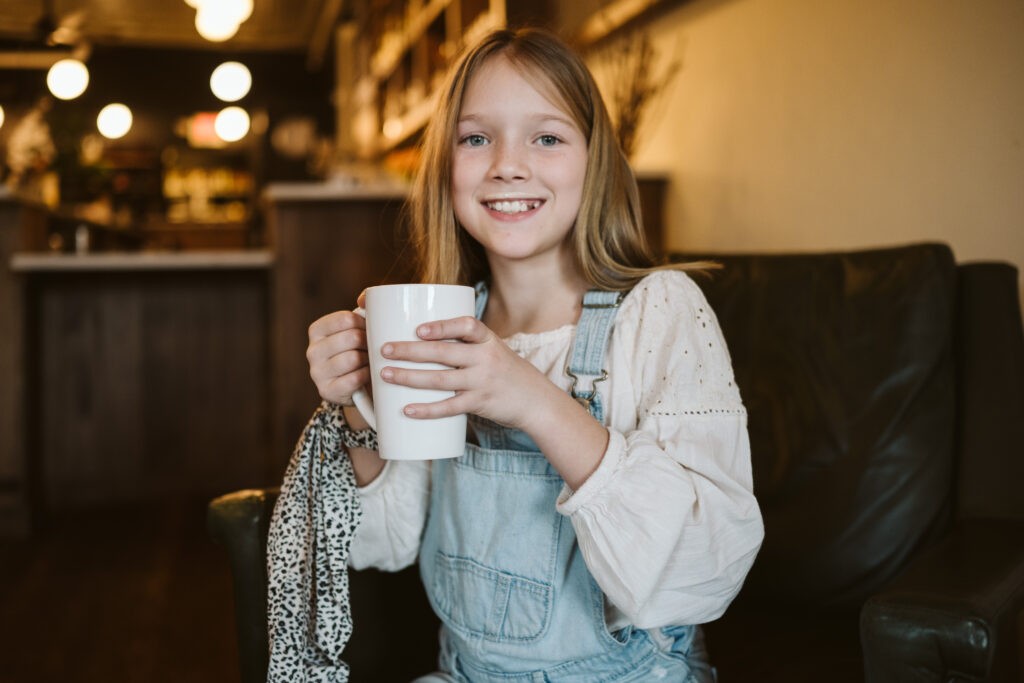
462, 183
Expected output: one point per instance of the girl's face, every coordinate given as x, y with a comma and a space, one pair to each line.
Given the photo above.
518, 167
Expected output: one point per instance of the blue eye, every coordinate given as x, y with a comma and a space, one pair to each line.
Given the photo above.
474, 140
548, 140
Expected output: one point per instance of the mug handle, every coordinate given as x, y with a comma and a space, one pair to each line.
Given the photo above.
361, 398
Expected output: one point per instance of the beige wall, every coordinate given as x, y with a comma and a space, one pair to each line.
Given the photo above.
819, 124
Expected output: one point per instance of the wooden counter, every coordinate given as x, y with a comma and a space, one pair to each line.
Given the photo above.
330, 242
14, 496
146, 375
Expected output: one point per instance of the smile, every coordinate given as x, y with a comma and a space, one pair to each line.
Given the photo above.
513, 206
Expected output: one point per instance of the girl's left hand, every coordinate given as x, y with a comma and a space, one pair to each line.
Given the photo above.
488, 378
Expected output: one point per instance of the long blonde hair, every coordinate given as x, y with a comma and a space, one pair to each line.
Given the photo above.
608, 238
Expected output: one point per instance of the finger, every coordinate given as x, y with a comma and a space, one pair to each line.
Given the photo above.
339, 342
342, 364
361, 299
443, 352
465, 328
335, 322
430, 411
340, 389
439, 380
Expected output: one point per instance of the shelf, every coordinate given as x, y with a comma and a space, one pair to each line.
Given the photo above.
393, 47
399, 60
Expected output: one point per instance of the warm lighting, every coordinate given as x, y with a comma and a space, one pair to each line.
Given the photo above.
231, 124
114, 121
67, 79
393, 129
239, 9
230, 81
218, 20
1, 117
214, 24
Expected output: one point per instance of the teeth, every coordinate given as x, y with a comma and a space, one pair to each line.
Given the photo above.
516, 206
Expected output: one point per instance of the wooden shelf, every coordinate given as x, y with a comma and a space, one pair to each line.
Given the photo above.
399, 60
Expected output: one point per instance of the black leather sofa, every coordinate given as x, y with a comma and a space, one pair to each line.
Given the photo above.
885, 391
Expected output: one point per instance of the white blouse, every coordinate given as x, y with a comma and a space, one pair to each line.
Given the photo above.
667, 523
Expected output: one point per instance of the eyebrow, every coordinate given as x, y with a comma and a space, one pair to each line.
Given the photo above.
535, 118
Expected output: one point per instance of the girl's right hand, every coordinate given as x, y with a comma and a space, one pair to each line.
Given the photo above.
338, 362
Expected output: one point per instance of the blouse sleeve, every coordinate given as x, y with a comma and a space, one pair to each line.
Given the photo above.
668, 523
394, 513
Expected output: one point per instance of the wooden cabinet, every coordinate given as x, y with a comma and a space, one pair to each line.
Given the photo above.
395, 57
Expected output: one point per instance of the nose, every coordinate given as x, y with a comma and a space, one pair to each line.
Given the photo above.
509, 162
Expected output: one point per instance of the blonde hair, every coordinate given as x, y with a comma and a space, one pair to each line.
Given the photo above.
608, 238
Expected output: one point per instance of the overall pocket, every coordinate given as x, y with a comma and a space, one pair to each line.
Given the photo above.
496, 541
490, 603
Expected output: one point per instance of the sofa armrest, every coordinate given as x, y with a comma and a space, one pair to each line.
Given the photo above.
955, 613
239, 521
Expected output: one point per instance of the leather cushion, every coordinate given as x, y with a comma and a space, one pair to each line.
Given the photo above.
844, 361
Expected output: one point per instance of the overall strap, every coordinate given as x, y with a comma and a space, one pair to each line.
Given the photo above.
586, 364
481, 299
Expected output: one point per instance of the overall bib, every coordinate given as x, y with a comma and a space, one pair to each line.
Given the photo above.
502, 568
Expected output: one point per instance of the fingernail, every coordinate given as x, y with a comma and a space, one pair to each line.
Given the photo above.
387, 373
423, 330
409, 410
386, 350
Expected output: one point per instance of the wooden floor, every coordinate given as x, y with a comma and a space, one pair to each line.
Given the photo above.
137, 593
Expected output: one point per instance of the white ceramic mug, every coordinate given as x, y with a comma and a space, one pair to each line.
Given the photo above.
393, 312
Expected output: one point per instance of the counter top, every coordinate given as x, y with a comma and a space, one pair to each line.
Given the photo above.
326, 191
37, 262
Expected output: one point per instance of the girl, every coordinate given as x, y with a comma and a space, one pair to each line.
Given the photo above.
604, 507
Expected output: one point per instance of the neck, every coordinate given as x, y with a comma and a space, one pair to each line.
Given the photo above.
531, 300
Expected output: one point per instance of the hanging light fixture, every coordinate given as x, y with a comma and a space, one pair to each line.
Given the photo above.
215, 25
231, 81
218, 20
231, 124
114, 121
67, 79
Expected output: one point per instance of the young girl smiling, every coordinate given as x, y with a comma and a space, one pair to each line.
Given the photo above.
604, 507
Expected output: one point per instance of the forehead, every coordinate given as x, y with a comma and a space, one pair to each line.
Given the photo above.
500, 66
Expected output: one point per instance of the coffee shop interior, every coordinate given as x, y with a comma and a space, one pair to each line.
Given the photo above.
224, 172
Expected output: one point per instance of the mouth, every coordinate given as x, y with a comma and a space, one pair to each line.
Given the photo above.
511, 207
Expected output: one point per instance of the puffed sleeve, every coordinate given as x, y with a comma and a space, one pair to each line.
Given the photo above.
668, 523
394, 513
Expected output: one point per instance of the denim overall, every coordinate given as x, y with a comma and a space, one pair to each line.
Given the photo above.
502, 568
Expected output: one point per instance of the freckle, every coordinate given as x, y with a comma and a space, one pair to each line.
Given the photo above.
709, 345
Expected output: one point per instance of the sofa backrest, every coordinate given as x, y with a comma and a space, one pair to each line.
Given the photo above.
990, 392
844, 361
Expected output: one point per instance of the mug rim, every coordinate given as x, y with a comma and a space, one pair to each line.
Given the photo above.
415, 284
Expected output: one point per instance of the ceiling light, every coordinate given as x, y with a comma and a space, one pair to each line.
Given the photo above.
67, 79
230, 81
239, 9
231, 124
214, 24
114, 121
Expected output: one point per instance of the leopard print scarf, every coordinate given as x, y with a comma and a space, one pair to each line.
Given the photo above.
311, 530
